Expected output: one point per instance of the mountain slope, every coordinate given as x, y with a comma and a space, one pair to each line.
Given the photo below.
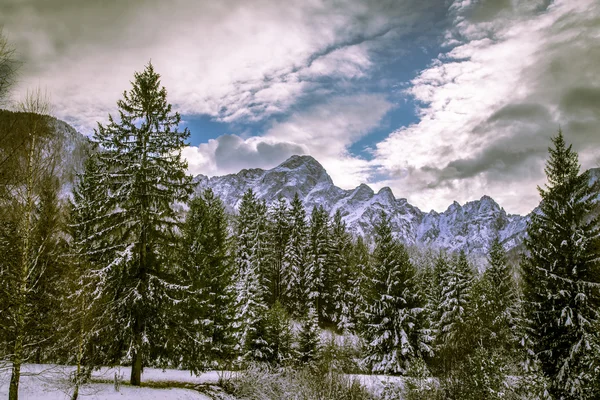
470, 227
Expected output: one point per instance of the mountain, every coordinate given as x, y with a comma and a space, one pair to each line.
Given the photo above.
72, 146
470, 227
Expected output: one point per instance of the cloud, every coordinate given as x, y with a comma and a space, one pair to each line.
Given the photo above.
232, 60
230, 153
324, 131
513, 73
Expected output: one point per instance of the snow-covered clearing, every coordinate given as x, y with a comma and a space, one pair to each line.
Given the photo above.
51, 382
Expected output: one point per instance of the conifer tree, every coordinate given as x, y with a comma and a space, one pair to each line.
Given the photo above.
84, 318
453, 329
251, 307
50, 250
309, 342
431, 285
497, 312
145, 177
394, 323
279, 233
343, 276
206, 340
317, 278
362, 284
279, 335
561, 275
295, 260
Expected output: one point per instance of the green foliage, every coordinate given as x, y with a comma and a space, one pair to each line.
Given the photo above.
279, 233
394, 321
279, 335
561, 276
250, 287
318, 280
295, 260
207, 309
420, 383
344, 277
308, 349
144, 176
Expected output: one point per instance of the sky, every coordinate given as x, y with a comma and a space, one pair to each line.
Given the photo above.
440, 100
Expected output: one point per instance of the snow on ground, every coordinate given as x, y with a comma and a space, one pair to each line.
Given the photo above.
377, 383
51, 382
160, 375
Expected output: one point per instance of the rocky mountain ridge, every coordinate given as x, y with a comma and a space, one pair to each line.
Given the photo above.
470, 227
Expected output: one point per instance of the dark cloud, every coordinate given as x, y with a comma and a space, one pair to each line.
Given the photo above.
502, 161
233, 153
520, 112
489, 10
581, 101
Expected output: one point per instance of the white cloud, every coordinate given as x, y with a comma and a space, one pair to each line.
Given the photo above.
489, 105
230, 59
324, 131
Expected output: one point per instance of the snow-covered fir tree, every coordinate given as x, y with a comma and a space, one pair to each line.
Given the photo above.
141, 167
279, 335
295, 259
452, 331
431, 284
309, 340
250, 304
317, 278
208, 308
393, 329
279, 233
361, 284
343, 276
498, 301
85, 316
561, 275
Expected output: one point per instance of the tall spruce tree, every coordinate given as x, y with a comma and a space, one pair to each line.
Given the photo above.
561, 275
251, 306
295, 260
453, 329
141, 166
309, 340
394, 322
279, 233
342, 276
83, 316
497, 305
362, 288
206, 340
317, 278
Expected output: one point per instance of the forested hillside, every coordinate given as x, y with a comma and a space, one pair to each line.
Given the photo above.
132, 262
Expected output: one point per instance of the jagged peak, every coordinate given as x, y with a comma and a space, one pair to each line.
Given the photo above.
297, 161
386, 193
364, 188
455, 205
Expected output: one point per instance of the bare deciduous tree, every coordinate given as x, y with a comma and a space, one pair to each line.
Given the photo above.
33, 156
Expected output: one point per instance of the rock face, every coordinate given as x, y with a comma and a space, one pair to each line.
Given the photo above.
470, 227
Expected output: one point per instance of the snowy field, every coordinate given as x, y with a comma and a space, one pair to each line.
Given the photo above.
51, 382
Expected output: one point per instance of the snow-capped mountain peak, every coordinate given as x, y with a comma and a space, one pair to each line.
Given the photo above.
470, 227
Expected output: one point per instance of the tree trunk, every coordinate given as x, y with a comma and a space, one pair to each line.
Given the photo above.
13, 392
136, 368
136, 362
